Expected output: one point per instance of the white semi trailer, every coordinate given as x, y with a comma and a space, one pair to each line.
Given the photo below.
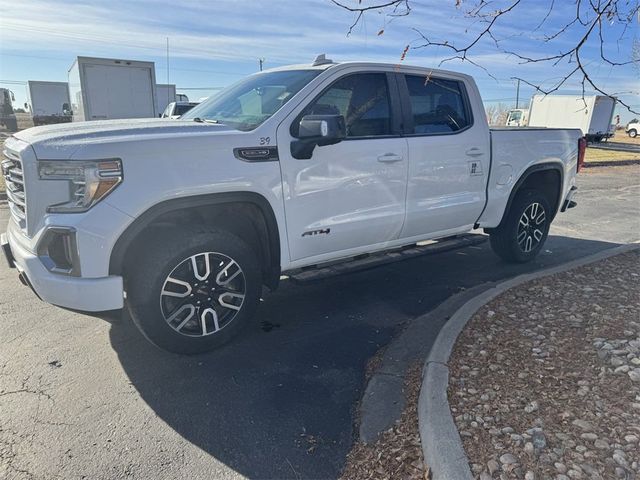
49, 102
592, 114
104, 88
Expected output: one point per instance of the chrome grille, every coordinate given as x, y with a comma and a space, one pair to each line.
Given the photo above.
14, 180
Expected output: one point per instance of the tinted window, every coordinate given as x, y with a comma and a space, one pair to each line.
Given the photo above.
363, 101
438, 106
182, 109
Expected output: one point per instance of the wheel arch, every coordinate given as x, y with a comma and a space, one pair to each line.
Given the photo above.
183, 210
547, 177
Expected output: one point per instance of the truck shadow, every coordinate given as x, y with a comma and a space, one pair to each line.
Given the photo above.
280, 402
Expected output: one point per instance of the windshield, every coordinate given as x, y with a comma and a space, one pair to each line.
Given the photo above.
515, 116
248, 103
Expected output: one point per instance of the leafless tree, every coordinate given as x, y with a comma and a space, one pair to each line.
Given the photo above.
586, 26
497, 114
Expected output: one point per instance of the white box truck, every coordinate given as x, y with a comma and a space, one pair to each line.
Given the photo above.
104, 88
165, 94
49, 102
592, 114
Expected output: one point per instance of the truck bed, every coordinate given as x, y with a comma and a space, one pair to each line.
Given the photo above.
516, 149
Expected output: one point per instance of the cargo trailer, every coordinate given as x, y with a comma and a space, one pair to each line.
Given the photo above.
49, 102
104, 88
592, 113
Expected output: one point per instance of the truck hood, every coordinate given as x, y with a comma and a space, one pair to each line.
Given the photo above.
61, 141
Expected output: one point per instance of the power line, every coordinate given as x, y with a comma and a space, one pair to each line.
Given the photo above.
158, 67
105, 40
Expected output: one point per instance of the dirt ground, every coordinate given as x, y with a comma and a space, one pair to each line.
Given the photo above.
398, 453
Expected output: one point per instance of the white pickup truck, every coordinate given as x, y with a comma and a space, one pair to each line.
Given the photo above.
184, 222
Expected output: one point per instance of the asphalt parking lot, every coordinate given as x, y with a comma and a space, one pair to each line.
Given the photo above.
82, 397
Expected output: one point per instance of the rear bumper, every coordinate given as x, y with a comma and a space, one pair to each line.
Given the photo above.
77, 293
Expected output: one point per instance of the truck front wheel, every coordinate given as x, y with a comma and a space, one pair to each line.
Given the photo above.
523, 232
633, 133
194, 290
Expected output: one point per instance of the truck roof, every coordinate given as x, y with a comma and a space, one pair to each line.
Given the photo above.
401, 67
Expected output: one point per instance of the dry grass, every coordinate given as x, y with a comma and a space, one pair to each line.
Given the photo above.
598, 155
621, 137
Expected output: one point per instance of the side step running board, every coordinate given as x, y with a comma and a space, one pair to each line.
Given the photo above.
365, 262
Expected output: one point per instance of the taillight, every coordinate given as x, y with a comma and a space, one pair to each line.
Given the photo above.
582, 149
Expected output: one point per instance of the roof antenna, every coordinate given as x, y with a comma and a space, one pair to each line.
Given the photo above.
321, 60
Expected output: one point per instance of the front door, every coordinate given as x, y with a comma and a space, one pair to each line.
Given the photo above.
349, 195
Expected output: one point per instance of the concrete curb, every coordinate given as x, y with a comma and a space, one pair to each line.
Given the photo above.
613, 163
441, 443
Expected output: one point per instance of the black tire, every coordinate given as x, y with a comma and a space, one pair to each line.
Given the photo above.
150, 292
633, 133
504, 240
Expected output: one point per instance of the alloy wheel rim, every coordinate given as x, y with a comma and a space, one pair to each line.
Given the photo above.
531, 227
203, 294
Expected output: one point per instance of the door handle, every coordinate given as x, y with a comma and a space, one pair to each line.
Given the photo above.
474, 152
389, 158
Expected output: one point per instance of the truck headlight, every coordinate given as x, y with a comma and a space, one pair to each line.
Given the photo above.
89, 181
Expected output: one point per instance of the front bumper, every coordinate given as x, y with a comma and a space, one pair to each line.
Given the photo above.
77, 293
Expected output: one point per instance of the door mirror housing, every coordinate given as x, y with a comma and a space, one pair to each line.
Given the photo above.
317, 130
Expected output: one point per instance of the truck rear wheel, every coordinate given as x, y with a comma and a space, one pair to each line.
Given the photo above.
194, 290
524, 230
633, 133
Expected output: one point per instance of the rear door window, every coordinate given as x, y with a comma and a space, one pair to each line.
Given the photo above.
438, 106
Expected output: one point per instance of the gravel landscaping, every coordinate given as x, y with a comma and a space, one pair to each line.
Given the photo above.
545, 379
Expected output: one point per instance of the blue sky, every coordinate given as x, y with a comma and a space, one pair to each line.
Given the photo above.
214, 43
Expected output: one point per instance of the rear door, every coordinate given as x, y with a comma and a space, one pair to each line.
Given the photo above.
119, 92
449, 155
349, 195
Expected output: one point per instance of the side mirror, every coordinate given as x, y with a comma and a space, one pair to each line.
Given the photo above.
317, 130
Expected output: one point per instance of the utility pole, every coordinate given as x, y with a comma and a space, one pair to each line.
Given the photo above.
168, 94
518, 94
260, 62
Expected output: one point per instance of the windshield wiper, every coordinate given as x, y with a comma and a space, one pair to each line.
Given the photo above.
205, 120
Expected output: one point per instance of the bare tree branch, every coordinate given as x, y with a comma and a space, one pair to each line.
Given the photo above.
396, 4
587, 25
